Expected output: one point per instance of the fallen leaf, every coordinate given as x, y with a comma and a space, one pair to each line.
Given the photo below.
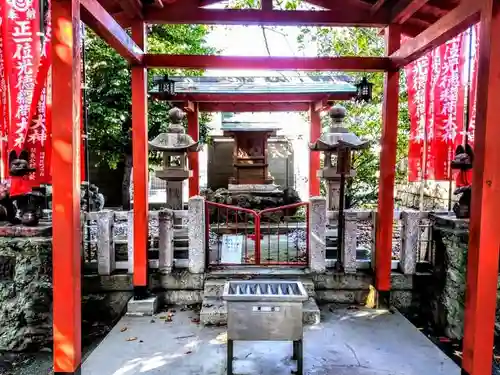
123, 329
141, 341
188, 352
152, 321
163, 317
132, 339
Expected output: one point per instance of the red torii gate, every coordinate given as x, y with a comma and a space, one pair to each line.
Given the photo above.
430, 24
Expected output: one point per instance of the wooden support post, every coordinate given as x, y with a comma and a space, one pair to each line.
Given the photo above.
66, 242
484, 237
140, 165
314, 156
385, 210
194, 131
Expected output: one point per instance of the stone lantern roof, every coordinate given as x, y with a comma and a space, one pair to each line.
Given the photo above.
174, 139
338, 137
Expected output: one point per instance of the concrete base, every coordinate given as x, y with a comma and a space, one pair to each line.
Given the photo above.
144, 307
346, 342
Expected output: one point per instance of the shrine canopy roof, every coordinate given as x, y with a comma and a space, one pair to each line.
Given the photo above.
253, 94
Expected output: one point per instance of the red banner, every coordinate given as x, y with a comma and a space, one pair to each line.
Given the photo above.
21, 58
449, 106
435, 101
4, 107
418, 81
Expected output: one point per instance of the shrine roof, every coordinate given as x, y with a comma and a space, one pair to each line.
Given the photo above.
305, 84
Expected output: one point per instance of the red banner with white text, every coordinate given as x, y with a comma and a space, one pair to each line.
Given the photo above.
435, 100
21, 58
418, 81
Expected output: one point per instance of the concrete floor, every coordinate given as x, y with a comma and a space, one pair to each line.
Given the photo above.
347, 342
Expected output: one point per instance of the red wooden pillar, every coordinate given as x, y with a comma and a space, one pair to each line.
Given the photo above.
193, 130
66, 242
484, 236
140, 164
314, 156
383, 238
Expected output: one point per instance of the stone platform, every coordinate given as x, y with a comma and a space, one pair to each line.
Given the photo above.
346, 342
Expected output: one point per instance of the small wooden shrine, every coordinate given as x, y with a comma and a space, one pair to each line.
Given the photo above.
250, 155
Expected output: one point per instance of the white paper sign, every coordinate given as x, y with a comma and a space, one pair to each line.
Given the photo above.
232, 249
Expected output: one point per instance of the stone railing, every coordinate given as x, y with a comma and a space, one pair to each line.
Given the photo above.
412, 242
177, 239
108, 239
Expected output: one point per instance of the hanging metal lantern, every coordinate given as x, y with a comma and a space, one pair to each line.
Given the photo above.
364, 90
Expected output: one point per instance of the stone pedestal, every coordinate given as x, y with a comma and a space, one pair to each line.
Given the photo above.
174, 195
447, 297
333, 194
317, 237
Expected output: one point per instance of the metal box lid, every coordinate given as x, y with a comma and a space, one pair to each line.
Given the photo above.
264, 290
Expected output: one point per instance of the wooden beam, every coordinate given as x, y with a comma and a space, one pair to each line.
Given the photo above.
66, 240
140, 163
314, 156
254, 98
377, 6
193, 129
267, 5
133, 8
204, 3
351, 63
189, 106
339, 15
99, 20
254, 107
456, 21
320, 105
405, 9
484, 237
385, 207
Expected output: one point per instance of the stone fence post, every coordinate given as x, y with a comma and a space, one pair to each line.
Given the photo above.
166, 240
409, 241
317, 234
130, 242
105, 246
350, 241
196, 234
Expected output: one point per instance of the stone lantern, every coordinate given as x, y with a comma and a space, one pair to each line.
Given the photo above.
175, 145
337, 145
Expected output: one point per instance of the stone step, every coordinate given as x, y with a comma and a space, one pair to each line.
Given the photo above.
215, 287
214, 312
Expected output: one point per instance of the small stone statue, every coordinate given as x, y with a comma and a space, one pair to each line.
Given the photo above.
90, 198
19, 165
464, 157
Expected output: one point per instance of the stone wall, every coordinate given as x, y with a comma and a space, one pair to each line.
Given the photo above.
25, 293
447, 295
26, 296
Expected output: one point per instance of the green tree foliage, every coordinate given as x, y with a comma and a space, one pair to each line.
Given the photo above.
108, 94
364, 119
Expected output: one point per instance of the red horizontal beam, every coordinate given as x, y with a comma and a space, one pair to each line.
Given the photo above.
99, 20
350, 63
339, 15
254, 107
254, 98
404, 10
449, 26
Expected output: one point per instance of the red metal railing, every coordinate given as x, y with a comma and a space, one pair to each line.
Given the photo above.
249, 231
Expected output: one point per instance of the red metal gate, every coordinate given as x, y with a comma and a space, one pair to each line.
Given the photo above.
241, 236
